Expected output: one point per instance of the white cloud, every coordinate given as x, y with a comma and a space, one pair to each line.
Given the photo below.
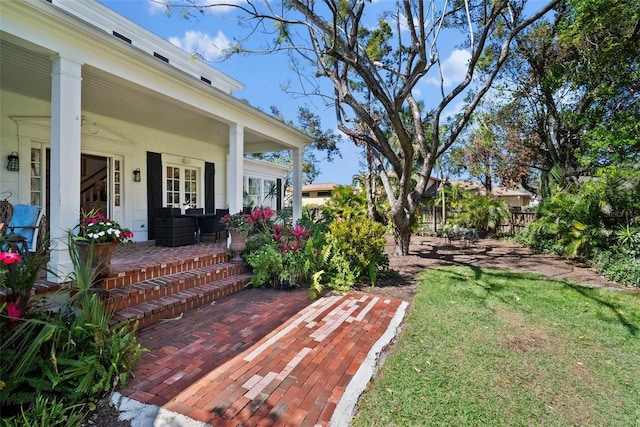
454, 68
203, 44
208, 7
157, 6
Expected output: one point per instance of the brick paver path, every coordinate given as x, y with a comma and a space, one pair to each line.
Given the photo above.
261, 357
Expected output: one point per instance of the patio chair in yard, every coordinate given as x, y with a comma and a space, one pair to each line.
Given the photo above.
23, 232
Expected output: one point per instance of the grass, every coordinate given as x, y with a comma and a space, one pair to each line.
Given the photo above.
496, 348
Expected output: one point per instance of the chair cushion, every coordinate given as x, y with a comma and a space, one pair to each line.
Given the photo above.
24, 221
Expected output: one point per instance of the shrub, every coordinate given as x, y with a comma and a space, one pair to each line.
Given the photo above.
345, 202
266, 263
353, 252
361, 241
59, 359
480, 212
618, 266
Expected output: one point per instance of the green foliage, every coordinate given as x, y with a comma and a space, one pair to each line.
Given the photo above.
284, 253
358, 243
345, 202
576, 220
20, 277
68, 356
596, 221
619, 266
628, 239
46, 413
265, 262
480, 212
320, 254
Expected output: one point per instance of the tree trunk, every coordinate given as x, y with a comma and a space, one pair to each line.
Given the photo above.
402, 240
402, 234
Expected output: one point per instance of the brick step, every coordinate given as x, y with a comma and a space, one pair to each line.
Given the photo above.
148, 290
161, 269
172, 306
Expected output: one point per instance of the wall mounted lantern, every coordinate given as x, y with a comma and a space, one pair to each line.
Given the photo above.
14, 162
136, 175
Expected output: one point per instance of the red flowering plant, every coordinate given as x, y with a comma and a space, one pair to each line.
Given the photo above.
17, 277
94, 227
240, 221
292, 242
277, 253
261, 219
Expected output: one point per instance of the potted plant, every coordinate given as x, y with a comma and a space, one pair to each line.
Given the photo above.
239, 225
102, 235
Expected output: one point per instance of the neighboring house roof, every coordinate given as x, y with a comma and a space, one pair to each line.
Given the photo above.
319, 187
496, 191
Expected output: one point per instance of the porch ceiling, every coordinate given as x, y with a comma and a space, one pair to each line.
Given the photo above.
25, 69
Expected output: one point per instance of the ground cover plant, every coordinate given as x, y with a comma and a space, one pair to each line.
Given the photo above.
490, 347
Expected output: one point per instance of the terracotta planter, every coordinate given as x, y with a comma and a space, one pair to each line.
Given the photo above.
101, 261
238, 243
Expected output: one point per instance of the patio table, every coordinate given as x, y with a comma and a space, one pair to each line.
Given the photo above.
199, 217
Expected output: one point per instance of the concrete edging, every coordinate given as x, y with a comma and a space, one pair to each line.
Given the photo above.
344, 411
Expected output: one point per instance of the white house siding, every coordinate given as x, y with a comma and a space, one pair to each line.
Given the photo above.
103, 136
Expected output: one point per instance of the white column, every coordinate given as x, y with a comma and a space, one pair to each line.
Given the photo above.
66, 117
236, 168
297, 184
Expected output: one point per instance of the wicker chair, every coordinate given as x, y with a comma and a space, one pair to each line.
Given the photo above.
173, 229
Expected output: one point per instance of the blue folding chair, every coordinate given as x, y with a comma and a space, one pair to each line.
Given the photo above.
22, 231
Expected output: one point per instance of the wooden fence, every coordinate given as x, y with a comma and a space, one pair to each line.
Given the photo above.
432, 221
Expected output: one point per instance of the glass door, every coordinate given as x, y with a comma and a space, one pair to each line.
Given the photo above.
181, 186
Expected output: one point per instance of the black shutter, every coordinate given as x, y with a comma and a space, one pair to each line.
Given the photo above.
209, 187
154, 190
279, 197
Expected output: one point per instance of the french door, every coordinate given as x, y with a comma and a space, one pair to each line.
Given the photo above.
181, 186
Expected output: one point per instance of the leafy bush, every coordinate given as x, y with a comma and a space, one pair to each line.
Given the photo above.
280, 252
336, 254
596, 221
361, 241
65, 357
353, 252
618, 266
265, 262
628, 239
345, 202
480, 212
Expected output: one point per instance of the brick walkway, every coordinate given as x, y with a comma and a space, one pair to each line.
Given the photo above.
263, 357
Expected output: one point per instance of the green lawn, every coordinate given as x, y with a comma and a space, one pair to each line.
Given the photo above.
487, 347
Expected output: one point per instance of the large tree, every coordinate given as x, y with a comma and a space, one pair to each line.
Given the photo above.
571, 95
374, 72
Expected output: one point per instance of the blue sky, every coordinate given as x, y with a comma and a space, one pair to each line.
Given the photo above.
265, 75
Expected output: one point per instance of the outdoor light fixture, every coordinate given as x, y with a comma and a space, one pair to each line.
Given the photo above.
136, 175
14, 162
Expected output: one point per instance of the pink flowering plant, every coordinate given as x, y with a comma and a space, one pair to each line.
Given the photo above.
17, 277
278, 253
258, 220
240, 221
94, 227
261, 219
